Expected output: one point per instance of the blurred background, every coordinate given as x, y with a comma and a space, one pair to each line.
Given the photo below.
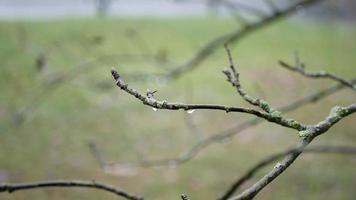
61, 116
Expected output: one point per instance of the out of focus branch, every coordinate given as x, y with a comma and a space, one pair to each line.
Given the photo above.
272, 5
96, 153
320, 149
300, 68
235, 36
68, 183
240, 6
46, 89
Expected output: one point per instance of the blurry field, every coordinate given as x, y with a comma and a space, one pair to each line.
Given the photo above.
51, 143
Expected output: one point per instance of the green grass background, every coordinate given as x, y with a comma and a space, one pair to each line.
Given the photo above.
51, 144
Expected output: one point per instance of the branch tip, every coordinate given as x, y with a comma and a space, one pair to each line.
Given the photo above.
184, 197
114, 73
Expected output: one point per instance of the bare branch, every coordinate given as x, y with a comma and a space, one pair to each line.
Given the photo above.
44, 91
234, 78
96, 153
149, 100
300, 68
336, 114
233, 9
307, 134
68, 183
243, 7
234, 36
266, 161
184, 197
192, 151
272, 6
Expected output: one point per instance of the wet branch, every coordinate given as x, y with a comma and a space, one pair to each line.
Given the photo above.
234, 36
233, 76
195, 149
306, 137
149, 100
68, 183
320, 149
306, 133
300, 68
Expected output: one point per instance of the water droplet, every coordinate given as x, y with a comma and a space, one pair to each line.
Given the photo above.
154, 109
190, 111
278, 165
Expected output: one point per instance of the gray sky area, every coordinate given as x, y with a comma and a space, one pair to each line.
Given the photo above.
51, 9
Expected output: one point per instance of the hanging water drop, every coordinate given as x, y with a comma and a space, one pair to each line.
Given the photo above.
190, 111
278, 165
154, 109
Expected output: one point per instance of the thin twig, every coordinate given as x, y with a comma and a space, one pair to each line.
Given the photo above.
233, 37
274, 117
272, 158
233, 77
232, 8
319, 74
244, 7
194, 150
336, 114
96, 153
45, 90
184, 197
68, 183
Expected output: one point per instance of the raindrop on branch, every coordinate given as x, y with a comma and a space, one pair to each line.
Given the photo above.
190, 111
278, 166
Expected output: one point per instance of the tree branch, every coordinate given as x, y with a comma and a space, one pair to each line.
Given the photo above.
233, 77
68, 183
192, 151
235, 36
266, 161
243, 7
46, 89
336, 114
149, 100
300, 68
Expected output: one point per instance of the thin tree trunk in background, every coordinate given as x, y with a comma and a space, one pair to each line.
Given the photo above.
102, 7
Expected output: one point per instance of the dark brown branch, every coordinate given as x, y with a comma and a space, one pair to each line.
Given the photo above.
148, 100
349, 150
319, 74
234, 36
68, 183
336, 114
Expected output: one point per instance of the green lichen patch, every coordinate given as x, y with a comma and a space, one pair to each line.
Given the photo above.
304, 133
